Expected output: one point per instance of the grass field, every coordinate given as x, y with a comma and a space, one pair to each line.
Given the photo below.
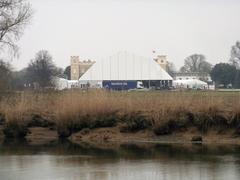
161, 111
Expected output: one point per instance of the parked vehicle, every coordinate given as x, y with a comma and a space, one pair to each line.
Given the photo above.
122, 85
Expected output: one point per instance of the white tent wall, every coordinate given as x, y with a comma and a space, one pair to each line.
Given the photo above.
60, 83
125, 66
73, 84
92, 84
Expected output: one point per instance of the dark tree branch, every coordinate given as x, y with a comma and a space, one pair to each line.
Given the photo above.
14, 16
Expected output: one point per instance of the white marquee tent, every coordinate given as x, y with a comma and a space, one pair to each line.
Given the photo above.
190, 83
61, 83
124, 66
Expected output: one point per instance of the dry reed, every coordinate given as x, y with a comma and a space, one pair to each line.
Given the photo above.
158, 108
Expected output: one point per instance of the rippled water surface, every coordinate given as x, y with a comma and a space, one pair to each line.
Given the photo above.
134, 162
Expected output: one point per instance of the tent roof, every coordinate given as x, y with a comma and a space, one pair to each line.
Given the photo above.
125, 66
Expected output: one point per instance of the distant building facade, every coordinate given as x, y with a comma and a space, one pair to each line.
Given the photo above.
78, 68
162, 61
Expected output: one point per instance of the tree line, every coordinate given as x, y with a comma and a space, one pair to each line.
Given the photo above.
40, 72
223, 74
15, 15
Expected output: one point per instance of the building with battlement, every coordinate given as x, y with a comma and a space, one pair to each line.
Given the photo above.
162, 61
78, 67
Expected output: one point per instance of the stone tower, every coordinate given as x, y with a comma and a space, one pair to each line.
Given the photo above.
75, 71
84, 66
162, 61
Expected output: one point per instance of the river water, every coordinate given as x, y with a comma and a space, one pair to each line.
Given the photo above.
64, 160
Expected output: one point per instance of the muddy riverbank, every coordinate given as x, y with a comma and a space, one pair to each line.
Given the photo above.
113, 135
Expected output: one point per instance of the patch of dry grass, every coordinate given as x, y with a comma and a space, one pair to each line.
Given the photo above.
76, 109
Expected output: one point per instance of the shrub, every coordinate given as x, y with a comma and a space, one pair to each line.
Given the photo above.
203, 121
64, 132
66, 128
176, 120
15, 130
162, 129
134, 121
2, 119
38, 121
78, 125
108, 119
209, 119
235, 120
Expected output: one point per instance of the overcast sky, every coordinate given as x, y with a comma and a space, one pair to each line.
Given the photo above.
95, 29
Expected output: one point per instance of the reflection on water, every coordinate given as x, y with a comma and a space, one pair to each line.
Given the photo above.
64, 160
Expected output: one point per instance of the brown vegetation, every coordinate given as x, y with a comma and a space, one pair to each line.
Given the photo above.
163, 112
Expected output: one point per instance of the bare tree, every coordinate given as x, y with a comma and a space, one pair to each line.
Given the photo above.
196, 63
235, 55
42, 70
5, 76
14, 16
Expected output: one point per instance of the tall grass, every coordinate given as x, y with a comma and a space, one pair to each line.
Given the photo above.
162, 111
